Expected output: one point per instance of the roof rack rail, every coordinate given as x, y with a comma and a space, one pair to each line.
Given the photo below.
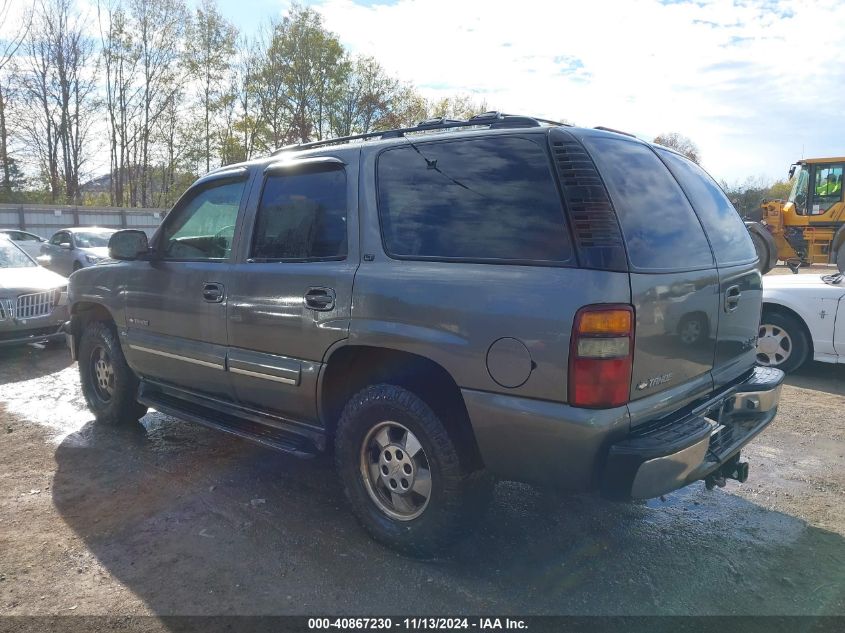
493, 120
610, 129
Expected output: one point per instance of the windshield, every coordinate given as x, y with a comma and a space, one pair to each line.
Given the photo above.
798, 195
13, 257
92, 240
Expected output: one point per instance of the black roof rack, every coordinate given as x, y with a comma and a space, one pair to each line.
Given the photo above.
610, 129
492, 120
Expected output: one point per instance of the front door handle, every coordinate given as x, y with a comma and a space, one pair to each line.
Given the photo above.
732, 296
321, 299
213, 292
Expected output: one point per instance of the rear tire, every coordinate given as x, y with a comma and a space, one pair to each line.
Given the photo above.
108, 384
782, 342
840, 258
403, 474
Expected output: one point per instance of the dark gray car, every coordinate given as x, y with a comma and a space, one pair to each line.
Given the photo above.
561, 306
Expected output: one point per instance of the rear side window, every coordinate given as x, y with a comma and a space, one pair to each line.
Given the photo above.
302, 217
661, 230
481, 199
728, 236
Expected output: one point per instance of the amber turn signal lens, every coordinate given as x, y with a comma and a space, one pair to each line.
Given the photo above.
605, 322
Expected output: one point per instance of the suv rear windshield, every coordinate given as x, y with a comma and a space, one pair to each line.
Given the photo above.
488, 199
661, 230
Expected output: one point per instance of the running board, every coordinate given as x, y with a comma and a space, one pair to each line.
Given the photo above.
269, 436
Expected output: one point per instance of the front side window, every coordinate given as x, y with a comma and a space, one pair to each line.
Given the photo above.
728, 236
486, 199
661, 230
827, 189
302, 216
60, 238
204, 227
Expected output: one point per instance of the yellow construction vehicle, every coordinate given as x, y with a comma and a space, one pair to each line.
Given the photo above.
808, 227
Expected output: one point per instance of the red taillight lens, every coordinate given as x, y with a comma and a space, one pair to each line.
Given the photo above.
601, 356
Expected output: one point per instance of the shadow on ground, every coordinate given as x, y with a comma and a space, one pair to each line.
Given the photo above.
819, 376
26, 362
196, 522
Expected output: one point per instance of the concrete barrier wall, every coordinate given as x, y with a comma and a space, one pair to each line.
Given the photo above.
45, 219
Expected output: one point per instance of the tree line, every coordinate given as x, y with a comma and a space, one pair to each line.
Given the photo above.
168, 93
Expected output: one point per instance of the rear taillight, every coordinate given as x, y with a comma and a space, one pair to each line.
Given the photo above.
601, 356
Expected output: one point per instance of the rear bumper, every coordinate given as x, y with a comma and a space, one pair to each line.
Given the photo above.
553, 444
665, 455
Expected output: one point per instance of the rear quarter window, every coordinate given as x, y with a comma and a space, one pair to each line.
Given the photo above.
660, 228
491, 199
728, 236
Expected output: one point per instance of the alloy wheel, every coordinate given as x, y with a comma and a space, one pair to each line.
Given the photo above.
774, 345
396, 471
102, 371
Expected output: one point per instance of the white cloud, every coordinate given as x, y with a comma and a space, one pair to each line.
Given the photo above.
751, 82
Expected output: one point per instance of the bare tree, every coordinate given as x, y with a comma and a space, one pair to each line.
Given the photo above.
59, 87
159, 27
120, 59
38, 119
210, 49
249, 125
8, 49
681, 144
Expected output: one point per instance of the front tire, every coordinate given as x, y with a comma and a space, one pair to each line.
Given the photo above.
108, 384
840, 258
782, 342
764, 245
403, 474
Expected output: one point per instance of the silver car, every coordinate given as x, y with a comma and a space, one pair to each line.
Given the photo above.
33, 300
28, 242
74, 248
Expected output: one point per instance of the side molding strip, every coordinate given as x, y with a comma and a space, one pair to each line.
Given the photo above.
187, 359
255, 374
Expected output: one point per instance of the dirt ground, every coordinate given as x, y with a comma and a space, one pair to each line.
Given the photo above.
168, 518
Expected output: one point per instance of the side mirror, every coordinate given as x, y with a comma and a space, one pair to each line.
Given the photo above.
128, 245
66, 245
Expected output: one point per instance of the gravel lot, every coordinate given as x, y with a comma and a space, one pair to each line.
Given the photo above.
170, 518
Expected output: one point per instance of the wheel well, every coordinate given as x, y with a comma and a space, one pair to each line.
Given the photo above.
83, 313
351, 368
776, 308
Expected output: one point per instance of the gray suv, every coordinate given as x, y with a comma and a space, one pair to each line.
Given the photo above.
441, 306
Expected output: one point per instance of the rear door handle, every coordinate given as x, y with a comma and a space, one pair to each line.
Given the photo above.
732, 297
213, 292
321, 299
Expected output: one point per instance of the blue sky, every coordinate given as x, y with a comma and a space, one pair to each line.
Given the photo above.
753, 82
